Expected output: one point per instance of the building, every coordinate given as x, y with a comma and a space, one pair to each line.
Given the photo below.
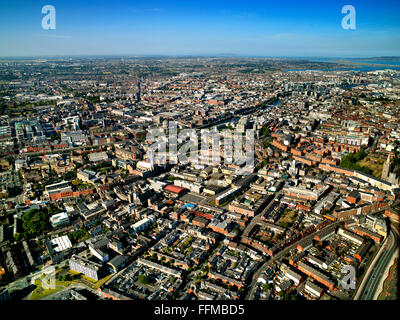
304, 245
318, 262
365, 232
98, 156
317, 275
226, 196
63, 190
98, 249
324, 234
225, 279
4, 294
393, 213
386, 168
305, 194
80, 263
161, 268
59, 220
58, 248
2, 233
350, 236
294, 276
313, 289
174, 189
61, 244
142, 224
250, 209
57, 187
112, 294
87, 176
192, 186
117, 263
362, 251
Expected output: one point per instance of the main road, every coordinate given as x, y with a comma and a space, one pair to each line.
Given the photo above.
378, 271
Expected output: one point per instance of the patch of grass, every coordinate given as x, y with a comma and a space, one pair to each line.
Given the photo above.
88, 279
352, 160
93, 283
40, 292
375, 166
99, 283
287, 218
79, 236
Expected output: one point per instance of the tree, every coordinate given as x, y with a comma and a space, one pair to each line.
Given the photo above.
34, 223
18, 237
294, 297
350, 162
144, 279
285, 224
265, 131
199, 277
79, 235
65, 277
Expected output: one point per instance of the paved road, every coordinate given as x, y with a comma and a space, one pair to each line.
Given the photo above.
377, 273
65, 292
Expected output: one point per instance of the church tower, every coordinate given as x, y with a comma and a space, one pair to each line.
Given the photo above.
386, 168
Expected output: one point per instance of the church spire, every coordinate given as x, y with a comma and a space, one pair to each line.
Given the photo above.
386, 168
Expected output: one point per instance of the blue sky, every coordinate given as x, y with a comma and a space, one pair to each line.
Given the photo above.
201, 27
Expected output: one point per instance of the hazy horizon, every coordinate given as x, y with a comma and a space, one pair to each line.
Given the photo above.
160, 56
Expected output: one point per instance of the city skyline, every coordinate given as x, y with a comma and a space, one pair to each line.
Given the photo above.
198, 179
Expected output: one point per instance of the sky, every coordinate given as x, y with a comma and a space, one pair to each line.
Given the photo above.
285, 28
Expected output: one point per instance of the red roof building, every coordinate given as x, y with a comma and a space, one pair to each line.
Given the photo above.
174, 189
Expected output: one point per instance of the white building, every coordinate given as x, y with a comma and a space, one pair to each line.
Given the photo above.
98, 156
59, 220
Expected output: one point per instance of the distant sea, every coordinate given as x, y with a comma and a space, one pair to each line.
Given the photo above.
356, 67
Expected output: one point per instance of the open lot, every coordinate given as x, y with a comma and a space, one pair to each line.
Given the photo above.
192, 198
